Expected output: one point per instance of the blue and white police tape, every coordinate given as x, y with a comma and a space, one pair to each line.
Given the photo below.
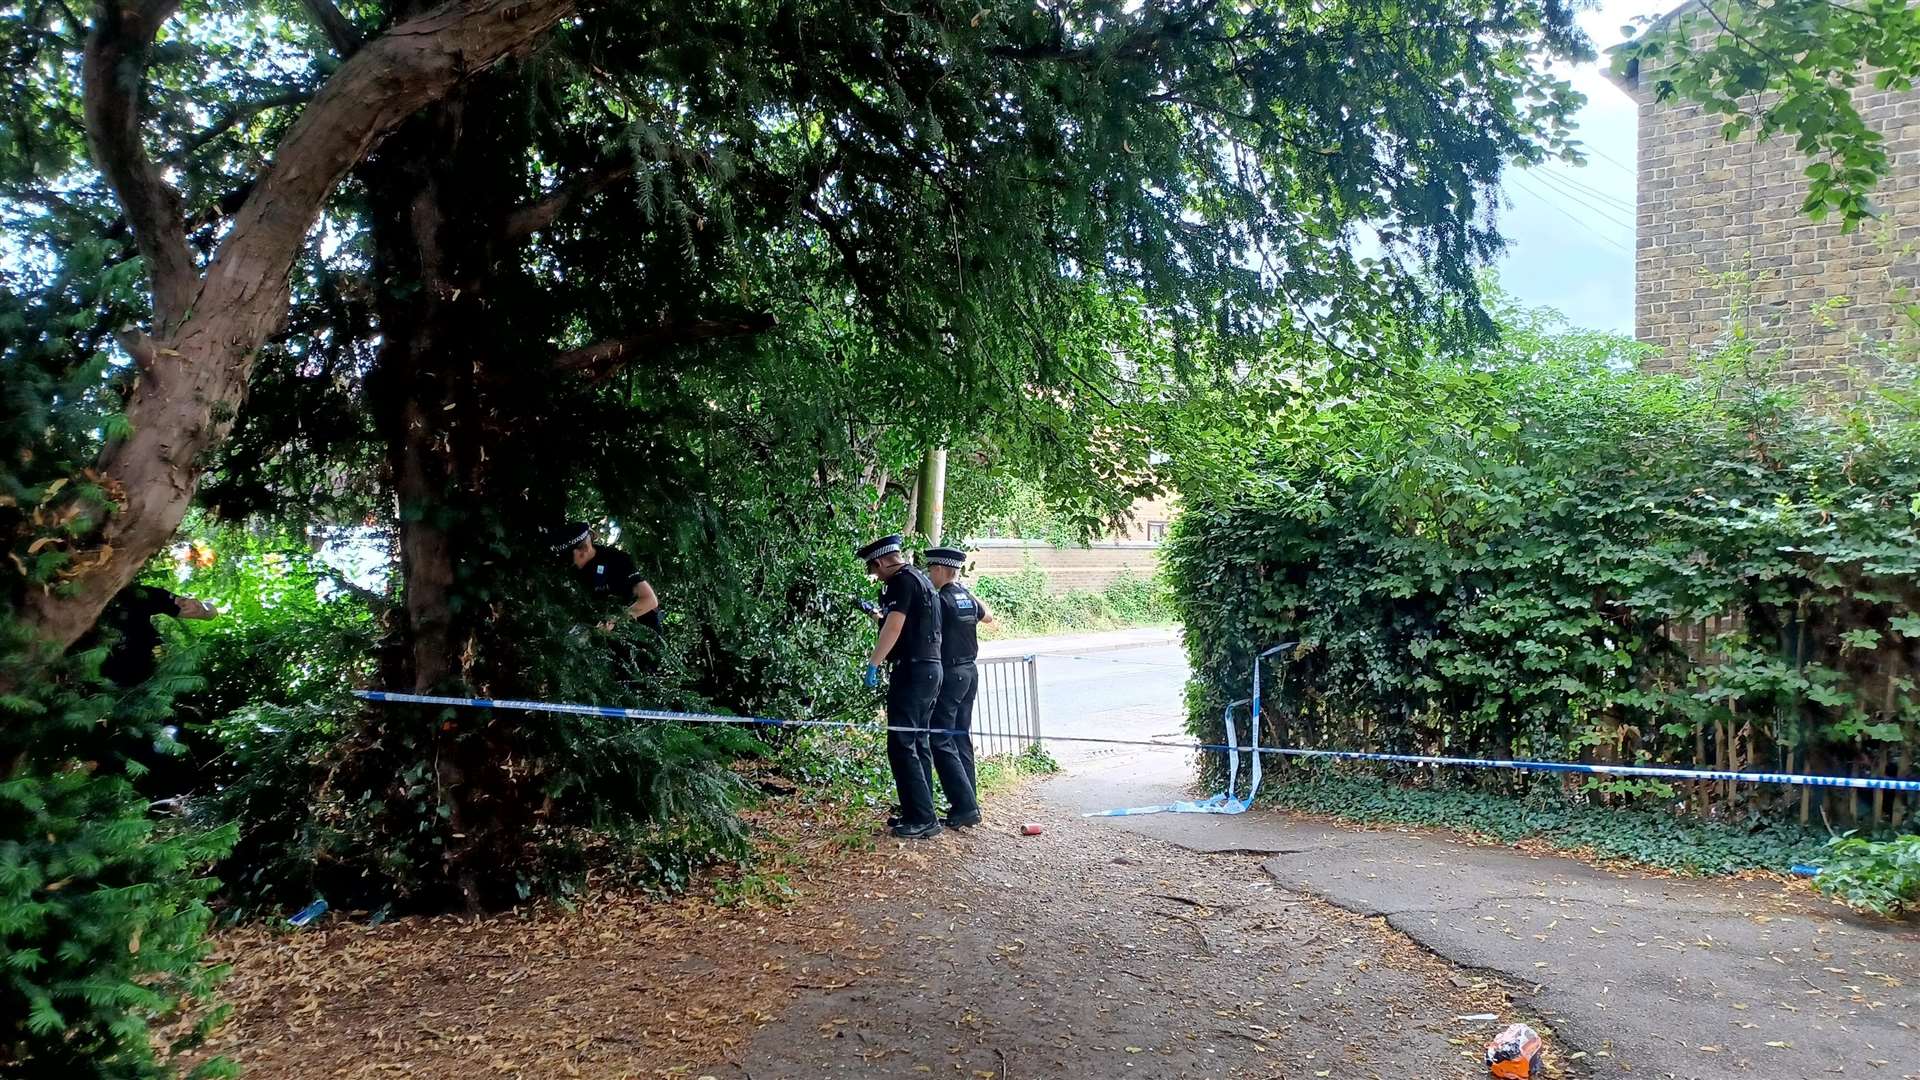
1232, 747
1225, 802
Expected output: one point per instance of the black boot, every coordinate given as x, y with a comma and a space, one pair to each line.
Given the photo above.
963, 821
916, 832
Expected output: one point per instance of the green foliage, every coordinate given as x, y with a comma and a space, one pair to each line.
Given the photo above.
1018, 599
354, 802
1023, 606
1517, 555
985, 501
103, 907
1789, 68
1882, 876
1000, 772
1647, 836
103, 963
1137, 600
290, 629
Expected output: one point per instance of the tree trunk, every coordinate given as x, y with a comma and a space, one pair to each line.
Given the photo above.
414, 410
913, 509
931, 512
1702, 789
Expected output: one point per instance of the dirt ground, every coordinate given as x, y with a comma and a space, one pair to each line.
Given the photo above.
1077, 953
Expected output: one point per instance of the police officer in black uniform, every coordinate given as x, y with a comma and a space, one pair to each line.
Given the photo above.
909, 639
133, 658
607, 572
961, 613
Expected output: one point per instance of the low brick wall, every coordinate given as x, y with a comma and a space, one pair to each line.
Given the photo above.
1088, 568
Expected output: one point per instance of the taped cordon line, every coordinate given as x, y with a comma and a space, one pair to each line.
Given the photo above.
1232, 748
1226, 802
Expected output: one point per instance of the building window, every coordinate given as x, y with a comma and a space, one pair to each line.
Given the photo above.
1156, 531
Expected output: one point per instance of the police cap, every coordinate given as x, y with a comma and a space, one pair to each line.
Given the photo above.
886, 545
947, 556
564, 538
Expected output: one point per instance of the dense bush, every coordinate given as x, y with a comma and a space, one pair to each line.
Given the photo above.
344, 800
1544, 553
103, 906
291, 629
1019, 598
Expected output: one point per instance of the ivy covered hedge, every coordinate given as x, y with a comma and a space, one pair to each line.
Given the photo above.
1548, 554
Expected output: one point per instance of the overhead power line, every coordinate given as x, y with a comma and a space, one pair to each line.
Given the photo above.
1605, 213
1519, 181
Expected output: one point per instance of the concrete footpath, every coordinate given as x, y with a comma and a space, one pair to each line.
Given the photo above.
1094, 642
1640, 974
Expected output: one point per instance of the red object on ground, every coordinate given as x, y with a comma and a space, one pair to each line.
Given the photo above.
1029, 830
1515, 1054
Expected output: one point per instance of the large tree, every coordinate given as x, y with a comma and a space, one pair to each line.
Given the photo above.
211, 313
968, 174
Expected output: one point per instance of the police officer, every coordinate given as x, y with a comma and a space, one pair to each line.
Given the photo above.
909, 639
606, 572
165, 770
961, 613
132, 659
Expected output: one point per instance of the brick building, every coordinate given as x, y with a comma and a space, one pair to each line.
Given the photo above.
1721, 239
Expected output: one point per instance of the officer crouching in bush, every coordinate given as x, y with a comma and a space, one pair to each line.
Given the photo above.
909, 639
606, 572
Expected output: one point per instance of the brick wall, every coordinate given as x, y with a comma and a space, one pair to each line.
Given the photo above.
1088, 568
1709, 208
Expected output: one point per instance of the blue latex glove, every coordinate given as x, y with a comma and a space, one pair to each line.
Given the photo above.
873, 674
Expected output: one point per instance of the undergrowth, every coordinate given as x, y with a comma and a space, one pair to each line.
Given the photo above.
1003, 771
1652, 837
1023, 606
1881, 876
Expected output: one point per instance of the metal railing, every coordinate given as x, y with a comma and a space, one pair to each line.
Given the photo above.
1006, 709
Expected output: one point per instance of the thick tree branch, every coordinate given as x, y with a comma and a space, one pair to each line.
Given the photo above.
208, 332
386, 81
113, 72
340, 33
531, 217
601, 360
238, 115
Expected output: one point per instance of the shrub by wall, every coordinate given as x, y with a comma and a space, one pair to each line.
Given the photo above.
1563, 558
1023, 606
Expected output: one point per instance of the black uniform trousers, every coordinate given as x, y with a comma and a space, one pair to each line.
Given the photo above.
953, 754
912, 689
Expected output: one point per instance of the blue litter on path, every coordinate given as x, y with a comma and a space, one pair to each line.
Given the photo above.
309, 913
